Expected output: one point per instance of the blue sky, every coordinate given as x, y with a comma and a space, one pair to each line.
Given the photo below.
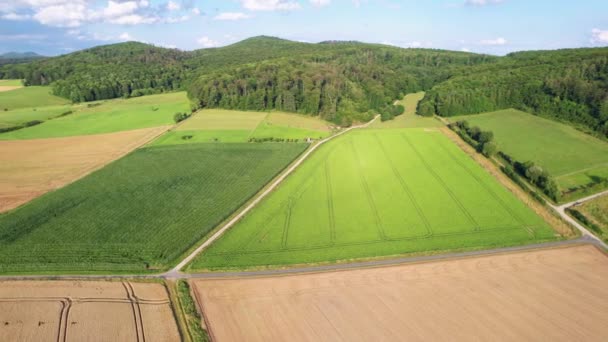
55, 27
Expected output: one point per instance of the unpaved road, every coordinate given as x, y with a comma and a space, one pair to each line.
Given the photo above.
174, 273
561, 210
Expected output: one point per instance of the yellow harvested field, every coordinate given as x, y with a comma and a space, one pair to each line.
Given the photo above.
30, 168
298, 121
85, 311
552, 295
217, 119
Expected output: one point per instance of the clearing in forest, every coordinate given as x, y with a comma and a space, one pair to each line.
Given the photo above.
107, 117
30, 168
410, 118
573, 158
217, 125
553, 294
35, 96
85, 311
139, 213
376, 193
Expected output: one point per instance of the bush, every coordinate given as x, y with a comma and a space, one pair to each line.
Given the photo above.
178, 117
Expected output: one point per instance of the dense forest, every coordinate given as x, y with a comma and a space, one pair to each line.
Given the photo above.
349, 81
340, 81
568, 85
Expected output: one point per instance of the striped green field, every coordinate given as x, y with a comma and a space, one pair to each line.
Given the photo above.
376, 193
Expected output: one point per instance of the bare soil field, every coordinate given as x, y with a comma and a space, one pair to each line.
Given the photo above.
552, 294
85, 311
30, 168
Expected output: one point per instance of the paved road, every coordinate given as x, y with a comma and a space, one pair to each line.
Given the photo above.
311, 269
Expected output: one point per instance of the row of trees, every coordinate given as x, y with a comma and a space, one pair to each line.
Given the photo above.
483, 141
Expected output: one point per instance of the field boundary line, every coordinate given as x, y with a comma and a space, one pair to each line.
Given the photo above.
394, 261
176, 270
470, 217
368, 193
405, 187
330, 205
483, 185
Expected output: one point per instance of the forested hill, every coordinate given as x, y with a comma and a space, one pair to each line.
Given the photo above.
19, 57
340, 81
570, 85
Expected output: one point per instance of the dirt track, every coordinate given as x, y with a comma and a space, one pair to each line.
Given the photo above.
30, 168
85, 311
554, 294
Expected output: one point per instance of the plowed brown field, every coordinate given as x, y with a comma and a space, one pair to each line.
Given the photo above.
30, 168
553, 295
85, 311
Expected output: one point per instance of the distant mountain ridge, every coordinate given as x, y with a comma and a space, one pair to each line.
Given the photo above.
20, 55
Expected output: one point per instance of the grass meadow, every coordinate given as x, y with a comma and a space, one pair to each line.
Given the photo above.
139, 213
22, 115
374, 193
228, 126
29, 97
11, 83
108, 116
573, 158
409, 119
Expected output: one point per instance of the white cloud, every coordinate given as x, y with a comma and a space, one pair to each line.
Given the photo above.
74, 13
270, 5
196, 11
173, 6
207, 42
63, 15
464, 49
125, 36
599, 36
15, 16
231, 16
320, 3
415, 44
482, 2
497, 41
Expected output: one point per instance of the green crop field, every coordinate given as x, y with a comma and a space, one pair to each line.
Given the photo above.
28, 97
409, 119
227, 126
373, 193
139, 213
109, 116
11, 83
572, 157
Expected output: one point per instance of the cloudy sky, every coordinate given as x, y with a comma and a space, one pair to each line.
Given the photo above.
55, 27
